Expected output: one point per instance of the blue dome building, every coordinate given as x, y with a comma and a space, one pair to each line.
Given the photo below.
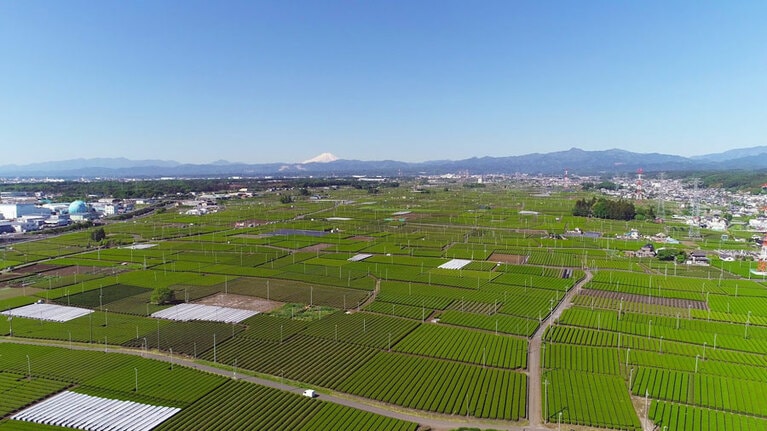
78, 207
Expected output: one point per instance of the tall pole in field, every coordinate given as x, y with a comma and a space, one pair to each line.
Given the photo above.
135, 372
29, 368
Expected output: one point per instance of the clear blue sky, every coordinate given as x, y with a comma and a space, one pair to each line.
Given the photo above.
407, 80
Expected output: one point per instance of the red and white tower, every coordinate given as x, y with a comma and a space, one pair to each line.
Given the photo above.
639, 195
761, 266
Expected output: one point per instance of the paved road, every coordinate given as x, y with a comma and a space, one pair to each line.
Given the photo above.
534, 398
436, 422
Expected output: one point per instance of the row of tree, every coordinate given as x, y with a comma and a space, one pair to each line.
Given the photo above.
611, 210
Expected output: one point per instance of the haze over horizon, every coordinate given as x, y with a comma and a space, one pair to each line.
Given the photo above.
261, 82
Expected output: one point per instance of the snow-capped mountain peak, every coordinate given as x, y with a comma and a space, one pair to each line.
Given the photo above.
322, 158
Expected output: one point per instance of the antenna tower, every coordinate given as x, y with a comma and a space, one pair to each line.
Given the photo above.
639, 184
566, 181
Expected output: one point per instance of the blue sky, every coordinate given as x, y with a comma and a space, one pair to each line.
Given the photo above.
199, 81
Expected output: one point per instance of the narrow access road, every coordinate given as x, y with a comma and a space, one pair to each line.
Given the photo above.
535, 400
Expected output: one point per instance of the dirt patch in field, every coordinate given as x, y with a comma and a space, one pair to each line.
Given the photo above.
37, 268
642, 299
514, 259
252, 236
314, 248
362, 238
412, 216
242, 302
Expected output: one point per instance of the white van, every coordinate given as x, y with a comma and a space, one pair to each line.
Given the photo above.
310, 393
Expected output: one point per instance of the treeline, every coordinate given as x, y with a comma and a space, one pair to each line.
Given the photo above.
71, 190
611, 210
736, 180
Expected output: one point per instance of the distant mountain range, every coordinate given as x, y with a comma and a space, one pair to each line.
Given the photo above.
576, 161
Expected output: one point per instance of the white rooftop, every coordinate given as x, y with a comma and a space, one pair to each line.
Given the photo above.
455, 264
187, 312
73, 410
359, 257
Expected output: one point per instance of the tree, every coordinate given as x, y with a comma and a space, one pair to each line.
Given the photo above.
671, 254
163, 295
286, 199
98, 235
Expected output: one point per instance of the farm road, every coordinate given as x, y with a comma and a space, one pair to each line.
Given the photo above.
436, 422
534, 398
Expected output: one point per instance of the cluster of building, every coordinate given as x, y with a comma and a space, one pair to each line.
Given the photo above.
25, 214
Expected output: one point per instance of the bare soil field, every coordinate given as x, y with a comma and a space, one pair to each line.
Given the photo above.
362, 238
514, 259
38, 268
242, 302
642, 299
314, 248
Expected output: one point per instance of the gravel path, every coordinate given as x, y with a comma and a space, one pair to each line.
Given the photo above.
534, 398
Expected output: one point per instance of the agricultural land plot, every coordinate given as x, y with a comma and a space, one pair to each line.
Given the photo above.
698, 389
243, 302
687, 418
497, 323
514, 259
189, 338
242, 405
20, 391
100, 297
440, 386
581, 358
465, 345
392, 309
589, 399
306, 359
271, 328
298, 292
638, 348
741, 337
372, 330
634, 303
644, 299
112, 375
